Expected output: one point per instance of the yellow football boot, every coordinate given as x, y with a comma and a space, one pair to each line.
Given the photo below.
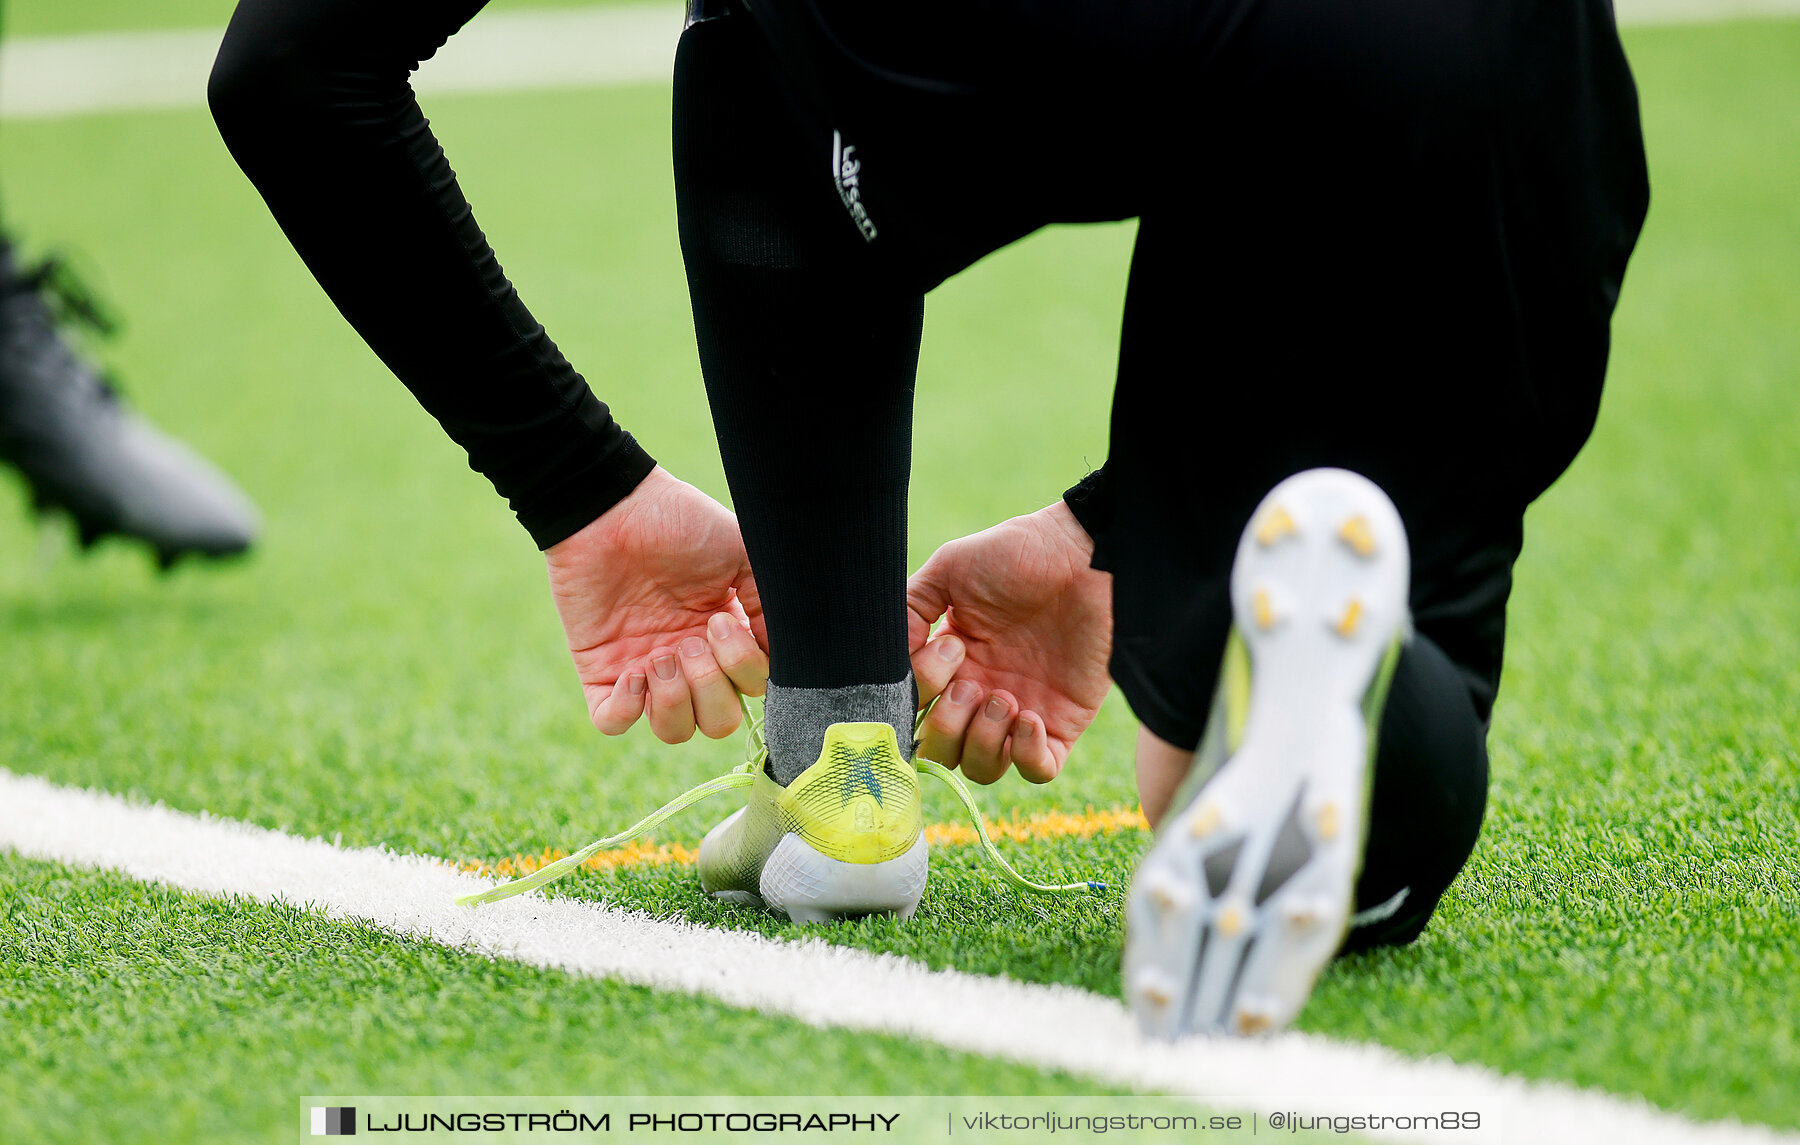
845, 838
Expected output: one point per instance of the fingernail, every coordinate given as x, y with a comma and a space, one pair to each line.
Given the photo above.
719, 626
995, 710
693, 646
665, 667
964, 692
950, 648
636, 683
1025, 730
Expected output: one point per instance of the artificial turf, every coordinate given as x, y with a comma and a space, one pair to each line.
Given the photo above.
388, 668
135, 1013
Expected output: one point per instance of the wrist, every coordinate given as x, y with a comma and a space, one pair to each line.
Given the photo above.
1059, 517
557, 513
614, 516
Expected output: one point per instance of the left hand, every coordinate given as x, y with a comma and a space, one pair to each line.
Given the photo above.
1021, 658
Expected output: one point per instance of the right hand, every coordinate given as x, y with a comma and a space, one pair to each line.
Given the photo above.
1020, 661
661, 612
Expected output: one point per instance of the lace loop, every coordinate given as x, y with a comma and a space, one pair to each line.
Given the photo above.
967, 797
735, 778
956, 784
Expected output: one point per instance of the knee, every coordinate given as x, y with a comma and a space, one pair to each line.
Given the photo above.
1428, 799
1161, 768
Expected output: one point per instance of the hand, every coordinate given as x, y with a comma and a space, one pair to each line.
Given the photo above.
1026, 638
661, 612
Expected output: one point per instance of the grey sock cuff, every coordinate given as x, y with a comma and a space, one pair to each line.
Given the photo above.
795, 719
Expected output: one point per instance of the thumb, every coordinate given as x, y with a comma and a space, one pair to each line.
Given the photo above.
927, 598
935, 665
747, 602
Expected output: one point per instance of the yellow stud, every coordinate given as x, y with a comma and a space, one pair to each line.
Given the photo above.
1357, 534
1328, 821
1156, 996
1275, 525
1231, 921
1302, 917
1263, 610
1352, 619
1253, 1022
1204, 822
1163, 897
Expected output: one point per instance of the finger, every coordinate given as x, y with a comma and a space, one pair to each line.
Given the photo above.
1031, 750
746, 603
918, 630
751, 605
984, 749
935, 664
709, 689
926, 599
941, 739
621, 706
745, 664
670, 708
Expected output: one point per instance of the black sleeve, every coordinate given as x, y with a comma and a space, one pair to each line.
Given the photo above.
1090, 500
314, 100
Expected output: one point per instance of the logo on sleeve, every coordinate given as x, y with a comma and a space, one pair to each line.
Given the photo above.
845, 169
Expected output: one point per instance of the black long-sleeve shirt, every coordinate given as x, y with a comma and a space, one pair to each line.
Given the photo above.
314, 100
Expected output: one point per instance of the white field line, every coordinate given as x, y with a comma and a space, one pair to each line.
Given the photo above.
1054, 1027
42, 77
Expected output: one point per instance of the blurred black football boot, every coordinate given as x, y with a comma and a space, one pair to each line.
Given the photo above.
83, 451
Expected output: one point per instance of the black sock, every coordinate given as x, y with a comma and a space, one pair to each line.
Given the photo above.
809, 359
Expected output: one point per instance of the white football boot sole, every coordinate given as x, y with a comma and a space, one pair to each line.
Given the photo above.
1248, 890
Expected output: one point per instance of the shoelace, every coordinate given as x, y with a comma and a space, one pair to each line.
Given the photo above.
744, 775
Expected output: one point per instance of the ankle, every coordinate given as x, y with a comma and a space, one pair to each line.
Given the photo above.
795, 719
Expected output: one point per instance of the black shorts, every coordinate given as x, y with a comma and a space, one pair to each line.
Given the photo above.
1383, 235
